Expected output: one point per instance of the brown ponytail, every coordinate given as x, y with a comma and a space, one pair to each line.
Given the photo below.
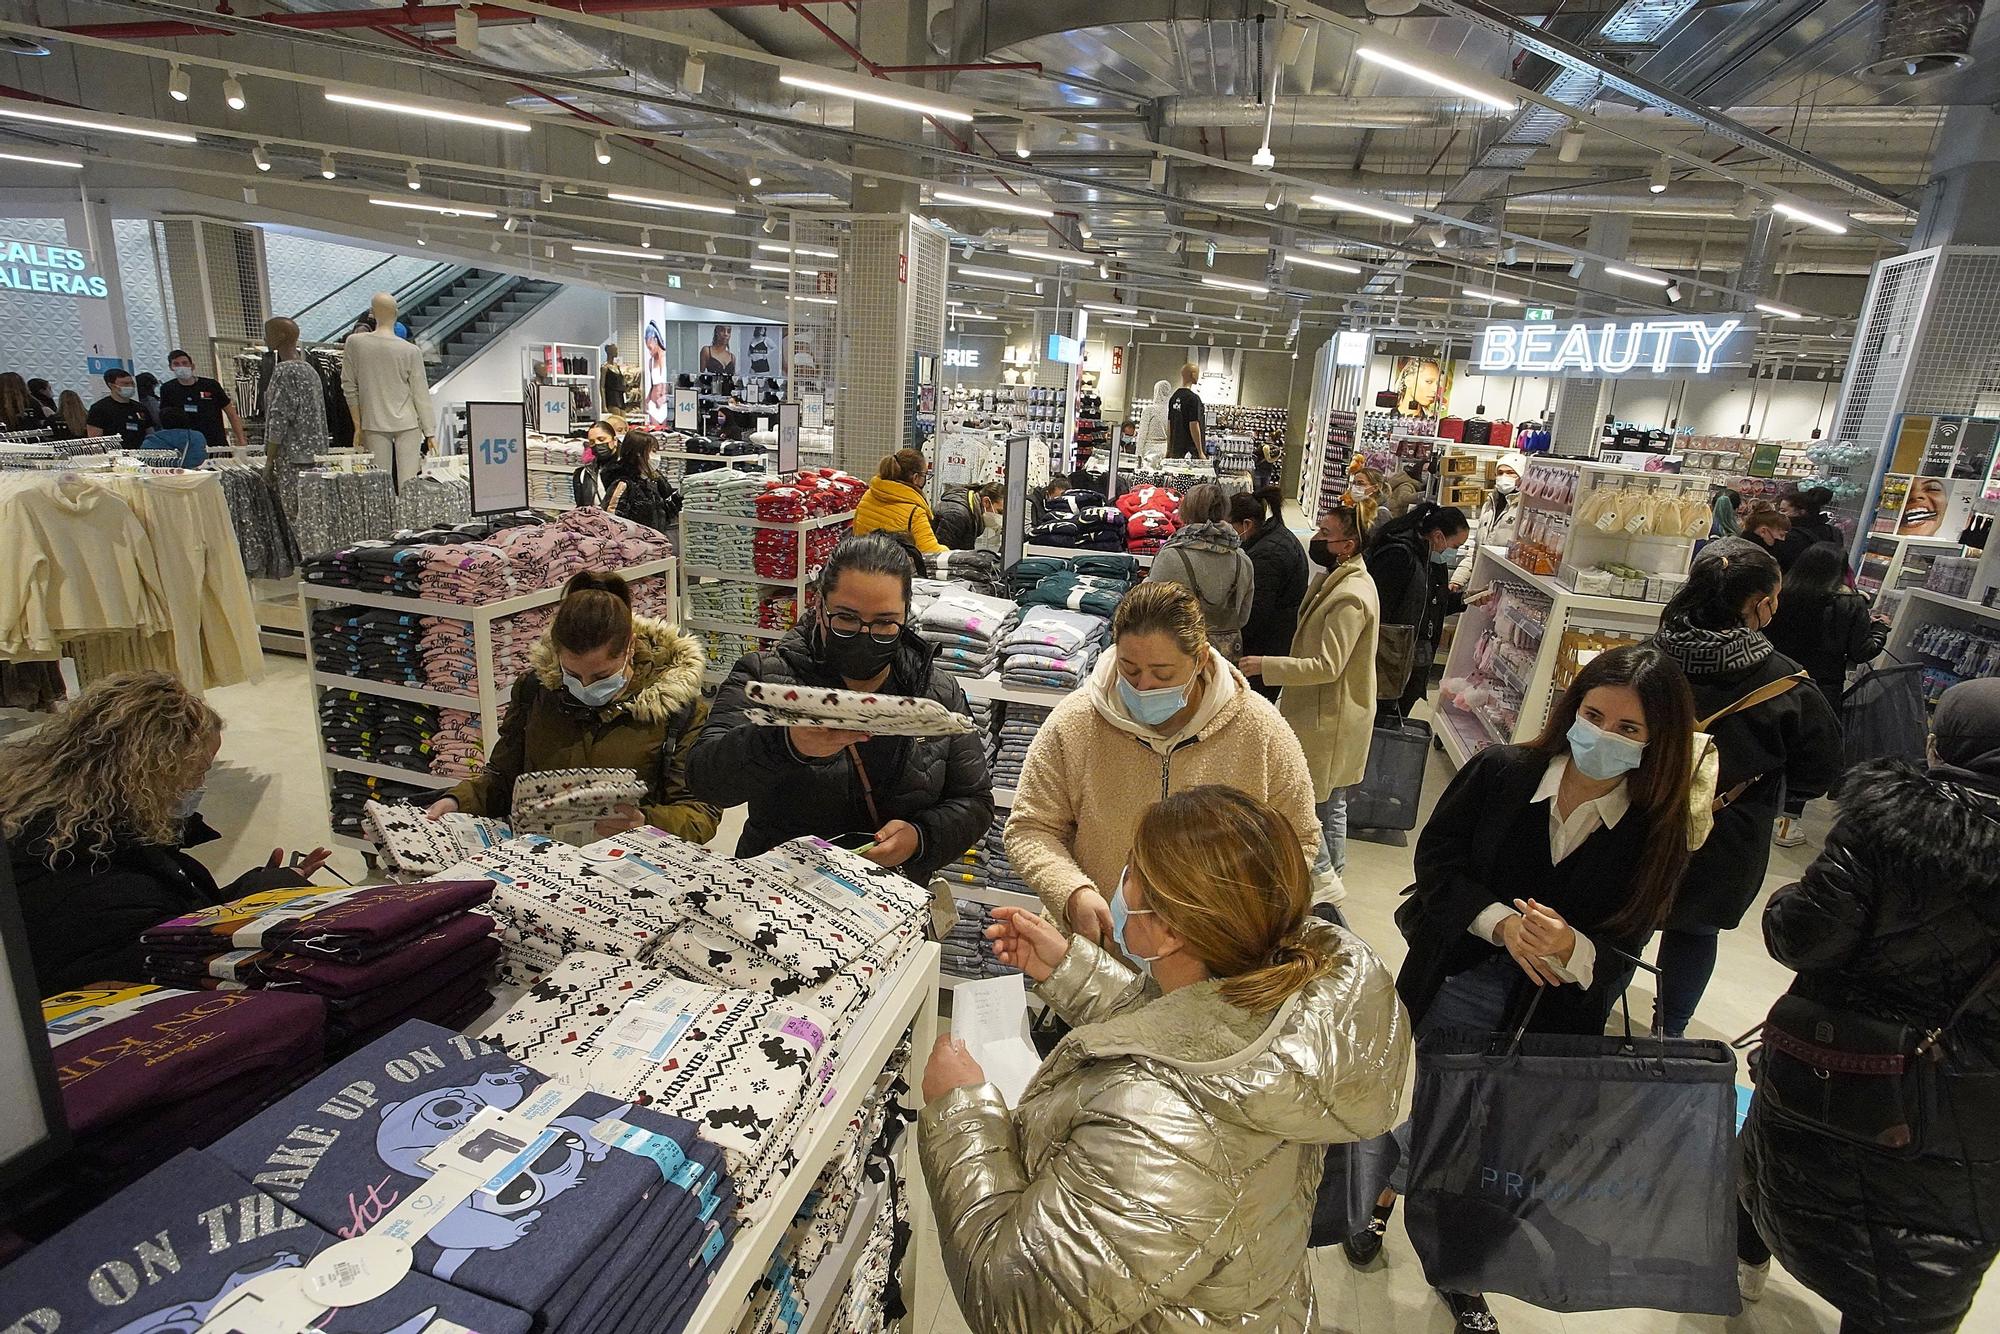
905, 465
595, 613
1226, 874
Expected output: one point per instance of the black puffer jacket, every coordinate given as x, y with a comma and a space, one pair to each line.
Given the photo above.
1788, 744
942, 785
1897, 920
1278, 562
956, 522
1827, 637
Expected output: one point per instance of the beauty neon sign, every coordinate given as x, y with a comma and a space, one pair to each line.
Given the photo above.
1686, 346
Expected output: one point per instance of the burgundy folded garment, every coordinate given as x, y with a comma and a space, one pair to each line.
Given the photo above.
353, 924
452, 1006
121, 1048
394, 999
157, 1134
335, 979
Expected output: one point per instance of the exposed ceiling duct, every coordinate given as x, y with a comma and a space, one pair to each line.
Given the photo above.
1924, 37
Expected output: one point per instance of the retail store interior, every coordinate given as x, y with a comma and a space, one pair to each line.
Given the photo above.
458, 468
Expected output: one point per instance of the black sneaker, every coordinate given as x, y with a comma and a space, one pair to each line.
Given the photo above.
1365, 1245
1471, 1313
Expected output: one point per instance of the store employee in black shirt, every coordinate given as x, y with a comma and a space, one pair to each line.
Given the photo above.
120, 412
193, 402
1184, 412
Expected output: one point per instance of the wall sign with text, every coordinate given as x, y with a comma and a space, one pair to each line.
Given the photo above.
50, 270
1668, 347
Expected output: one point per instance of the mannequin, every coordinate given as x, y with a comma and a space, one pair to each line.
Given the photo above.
383, 377
294, 413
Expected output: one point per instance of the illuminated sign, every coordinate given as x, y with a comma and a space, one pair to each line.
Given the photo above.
50, 269
966, 358
1539, 314
1068, 351
1613, 347
1350, 348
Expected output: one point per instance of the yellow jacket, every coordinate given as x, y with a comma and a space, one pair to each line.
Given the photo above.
897, 507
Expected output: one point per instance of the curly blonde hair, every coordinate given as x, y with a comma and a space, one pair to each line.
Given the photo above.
112, 766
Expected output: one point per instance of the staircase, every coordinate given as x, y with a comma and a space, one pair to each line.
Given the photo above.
463, 318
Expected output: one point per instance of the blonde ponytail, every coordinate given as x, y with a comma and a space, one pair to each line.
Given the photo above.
1300, 959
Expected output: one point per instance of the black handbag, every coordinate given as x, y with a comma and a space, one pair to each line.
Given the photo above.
1852, 1076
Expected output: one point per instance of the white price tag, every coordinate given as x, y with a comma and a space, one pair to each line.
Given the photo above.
687, 410
498, 457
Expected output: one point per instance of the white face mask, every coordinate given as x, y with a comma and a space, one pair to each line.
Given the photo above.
185, 374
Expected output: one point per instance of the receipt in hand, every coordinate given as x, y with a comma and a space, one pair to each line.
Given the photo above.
991, 1018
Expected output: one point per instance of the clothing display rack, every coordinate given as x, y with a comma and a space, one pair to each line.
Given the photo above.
715, 597
654, 591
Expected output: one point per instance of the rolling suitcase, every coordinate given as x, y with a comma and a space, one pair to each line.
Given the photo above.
1451, 428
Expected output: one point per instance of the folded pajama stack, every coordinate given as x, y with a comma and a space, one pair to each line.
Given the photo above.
772, 704
370, 567
722, 491
967, 628
432, 500
378, 729
469, 573
1147, 532
1052, 647
1120, 569
457, 748
612, 1226
564, 804
376, 955
146, 1071
724, 648
1078, 592
1081, 520
348, 794
1022, 576
414, 847
724, 600
193, 1234
725, 548
372, 644
972, 568
1018, 725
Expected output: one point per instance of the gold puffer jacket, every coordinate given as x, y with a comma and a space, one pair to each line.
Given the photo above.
1159, 1173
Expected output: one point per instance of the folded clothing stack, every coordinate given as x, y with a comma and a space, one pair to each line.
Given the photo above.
828, 491
378, 729
1078, 592
470, 573
1081, 519
781, 504
376, 954
1018, 725
776, 550
429, 500
976, 570
779, 611
1145, 496
1052, 646
1025, 573
372, 644
612, 1223
967, 628
774, 704
609, 542
348, 794
738, 1064
724, 600
1117, 569
414, 847
726, 548
722, 491
146, 1071
371, 567
1148, 530
724, 648
966, 952
564, 804
457, 747
201, 1234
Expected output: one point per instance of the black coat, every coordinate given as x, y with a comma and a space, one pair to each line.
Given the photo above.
1413, 588
1828, 637
956, 522
1458, 875
1280, 578
1897, 920
648, 498
1790, 744
942, 785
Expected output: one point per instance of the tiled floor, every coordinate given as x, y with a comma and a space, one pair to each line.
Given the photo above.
265, 793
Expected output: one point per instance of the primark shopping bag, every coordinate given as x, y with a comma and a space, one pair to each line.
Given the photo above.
1577, 1173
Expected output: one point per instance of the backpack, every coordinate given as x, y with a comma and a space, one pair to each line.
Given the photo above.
1704, 802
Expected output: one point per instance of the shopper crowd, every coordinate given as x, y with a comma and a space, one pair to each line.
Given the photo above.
1182, 816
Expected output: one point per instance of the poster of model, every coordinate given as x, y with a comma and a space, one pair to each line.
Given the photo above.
746, 351
655, 378
1421, 380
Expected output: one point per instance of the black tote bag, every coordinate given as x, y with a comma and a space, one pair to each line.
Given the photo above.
1577, 1173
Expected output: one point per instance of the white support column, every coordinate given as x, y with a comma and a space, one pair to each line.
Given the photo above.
106, 331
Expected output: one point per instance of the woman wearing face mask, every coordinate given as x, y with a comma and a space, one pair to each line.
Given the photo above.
1329, 678
1775, 735
921, 801
605, 689
1540, 864
895, 502
1162, 712
969, 519
1412, 559
97, 809
1206, 555
1278, 576
622, 458
1497, 517
1364, 494
1159, 1171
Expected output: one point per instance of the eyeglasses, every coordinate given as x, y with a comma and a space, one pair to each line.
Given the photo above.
847, 625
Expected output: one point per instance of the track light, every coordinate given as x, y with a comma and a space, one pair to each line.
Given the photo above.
1156, 172
1660, 178
178, 84
413, 178
1067, 139
232, 92
249, 194
756, 177
326, 167
1440, 236
1211, 254
1673, 294
709, 245
1083, 230
602, 151
259, 158
465, 28
1275, 198
693, 74
645, 238
494, 245
548, 193
1264, 159
1511, 255
771, 225
512, 224
1570, 147
1021, 149
1103, 271
423, 237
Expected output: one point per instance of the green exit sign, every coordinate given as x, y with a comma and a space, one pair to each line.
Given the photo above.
1541, 314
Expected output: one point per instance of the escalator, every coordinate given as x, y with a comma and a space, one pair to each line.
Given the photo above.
454, 311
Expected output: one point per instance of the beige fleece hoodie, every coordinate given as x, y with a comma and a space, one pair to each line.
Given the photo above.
1092, 770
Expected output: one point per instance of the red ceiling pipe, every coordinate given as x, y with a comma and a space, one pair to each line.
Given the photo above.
412, 15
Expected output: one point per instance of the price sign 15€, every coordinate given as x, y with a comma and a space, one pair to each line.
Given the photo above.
499, 457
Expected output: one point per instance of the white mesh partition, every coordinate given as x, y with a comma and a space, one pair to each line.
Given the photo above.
891, 307
1878, 369
628, 325
220, 295
817, 287
1579, 414
146, 310
930, 254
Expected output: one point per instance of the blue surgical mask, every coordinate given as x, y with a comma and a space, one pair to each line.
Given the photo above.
598, 693
190, 805
185, 374
1120, 915
125, 392
1600, 754
1449, 556
1152, 707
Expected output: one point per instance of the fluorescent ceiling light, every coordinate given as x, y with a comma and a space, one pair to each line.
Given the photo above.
614, 250
1436, 80
1342, 204
1481, 294
939, 110
654, 201
997, 275
1780, 312
41, 161
1130, 324
967, 315
446, 210
1314, 262
1050, 256
771, 268
91, 123
818, 300
1809, 218
979, 199
1650, 279
429, 111
1233, 285
1103, 309
780, 248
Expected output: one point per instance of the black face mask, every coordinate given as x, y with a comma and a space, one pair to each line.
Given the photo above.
856, 657
1322, 554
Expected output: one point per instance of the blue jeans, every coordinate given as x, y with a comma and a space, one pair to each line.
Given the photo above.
1687, 961
1476, 1000
1332, 832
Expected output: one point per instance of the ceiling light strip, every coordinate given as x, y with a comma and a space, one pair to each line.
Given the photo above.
657, 201
93, 123
938, 109
429, 111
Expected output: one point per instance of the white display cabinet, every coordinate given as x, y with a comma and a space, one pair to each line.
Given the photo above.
1891, 566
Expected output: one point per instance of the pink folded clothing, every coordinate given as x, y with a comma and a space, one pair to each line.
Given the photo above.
351, 923
429, 952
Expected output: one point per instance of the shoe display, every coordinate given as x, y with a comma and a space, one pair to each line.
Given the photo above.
1471, 1313
1750, 1279
1791, 832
